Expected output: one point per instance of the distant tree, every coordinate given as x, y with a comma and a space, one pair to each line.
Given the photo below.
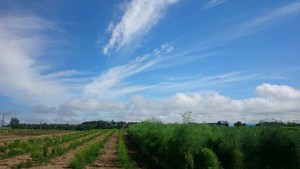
238, 123
187, 117
14, 122
153, 120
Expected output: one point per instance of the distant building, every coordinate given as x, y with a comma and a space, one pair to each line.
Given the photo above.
223, 123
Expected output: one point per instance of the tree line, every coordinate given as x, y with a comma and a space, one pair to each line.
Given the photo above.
99, 124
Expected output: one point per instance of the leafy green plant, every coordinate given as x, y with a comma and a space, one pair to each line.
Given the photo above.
206, 159
125, 160
36, 152
188, 146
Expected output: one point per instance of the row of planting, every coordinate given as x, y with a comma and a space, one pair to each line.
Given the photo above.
18, 147
125, 160
90, 153
188, 146
41, 153
18, 131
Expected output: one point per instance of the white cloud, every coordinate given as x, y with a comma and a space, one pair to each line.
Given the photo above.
110, 84
278, 101
213, 3
198, 82
22, 42
278, 92
269, 18
94, 105
61, 114
139, 18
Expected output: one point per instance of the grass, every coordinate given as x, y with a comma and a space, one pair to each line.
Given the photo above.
125, 160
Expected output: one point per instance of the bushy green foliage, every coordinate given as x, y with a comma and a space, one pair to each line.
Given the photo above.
36, 151
188, 146
125, 160
206, 159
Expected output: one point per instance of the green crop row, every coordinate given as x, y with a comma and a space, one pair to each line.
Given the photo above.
60, 150
191, 146
125, 160
90, 154
18, 147
29, 131
41, 153
55, 140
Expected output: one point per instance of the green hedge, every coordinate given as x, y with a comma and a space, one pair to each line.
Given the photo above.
189, 146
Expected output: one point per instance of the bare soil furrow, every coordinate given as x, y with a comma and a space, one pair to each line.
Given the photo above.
109, 157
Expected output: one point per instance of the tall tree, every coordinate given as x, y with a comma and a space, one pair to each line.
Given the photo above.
187, 117
14, 123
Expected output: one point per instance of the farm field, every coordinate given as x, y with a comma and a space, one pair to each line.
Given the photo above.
154, 145
75, 149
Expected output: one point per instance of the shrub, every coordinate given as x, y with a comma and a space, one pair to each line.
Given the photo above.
185, 146
125, 160
206, 159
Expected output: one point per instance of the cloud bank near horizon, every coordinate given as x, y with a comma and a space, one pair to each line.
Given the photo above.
271, 101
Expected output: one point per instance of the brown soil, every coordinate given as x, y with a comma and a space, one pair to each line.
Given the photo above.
10, 162
142, 160
109, 158
64, 160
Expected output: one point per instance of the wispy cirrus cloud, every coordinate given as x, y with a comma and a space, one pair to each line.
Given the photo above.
200, 82
138, 19
22, 77
269, 18
110, 84
249, 27
213, 3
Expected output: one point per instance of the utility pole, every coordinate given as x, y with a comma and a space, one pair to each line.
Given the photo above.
41, 124
3, 119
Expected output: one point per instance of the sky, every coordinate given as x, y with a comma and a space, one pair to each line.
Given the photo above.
134, 60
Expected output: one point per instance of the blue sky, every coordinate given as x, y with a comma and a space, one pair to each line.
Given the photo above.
71, 61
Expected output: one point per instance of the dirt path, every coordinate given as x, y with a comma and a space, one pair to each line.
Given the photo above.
142, 161
109, 158
63, 161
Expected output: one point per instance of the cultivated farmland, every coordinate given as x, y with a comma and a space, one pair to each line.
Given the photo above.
75, 149
154, 145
